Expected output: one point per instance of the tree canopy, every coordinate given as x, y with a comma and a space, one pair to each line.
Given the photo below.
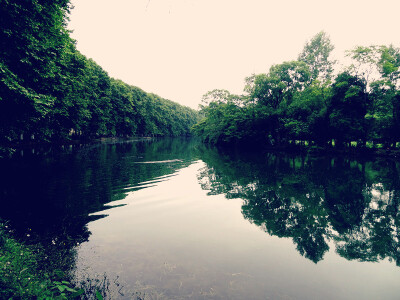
49, 91
303, 101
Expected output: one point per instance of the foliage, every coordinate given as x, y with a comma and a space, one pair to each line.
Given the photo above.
51, 92
300, 101
316, 55
224, 120
32, 40
347, 109
306, 117
29, 269
22, 276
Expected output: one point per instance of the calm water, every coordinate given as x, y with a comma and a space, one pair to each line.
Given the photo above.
173, 219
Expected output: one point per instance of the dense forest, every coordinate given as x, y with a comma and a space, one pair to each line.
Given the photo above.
51, 92
307, 102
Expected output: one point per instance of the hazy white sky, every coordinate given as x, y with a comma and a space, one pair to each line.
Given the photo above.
181, 49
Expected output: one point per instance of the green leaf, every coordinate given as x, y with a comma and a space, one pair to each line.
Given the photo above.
61, 288
78, 293
99, 296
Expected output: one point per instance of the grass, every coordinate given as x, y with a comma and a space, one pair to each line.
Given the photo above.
24, 276
41, 271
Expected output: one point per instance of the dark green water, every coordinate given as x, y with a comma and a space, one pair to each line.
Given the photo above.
173, 219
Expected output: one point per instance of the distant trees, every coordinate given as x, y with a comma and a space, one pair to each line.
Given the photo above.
302, 101
51, 92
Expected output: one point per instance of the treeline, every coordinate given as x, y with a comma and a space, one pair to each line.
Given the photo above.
305, 102
51, 92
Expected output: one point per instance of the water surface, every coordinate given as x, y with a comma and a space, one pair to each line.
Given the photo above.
174, 219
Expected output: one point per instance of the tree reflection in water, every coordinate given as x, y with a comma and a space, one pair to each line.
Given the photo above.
313, 200
48, 198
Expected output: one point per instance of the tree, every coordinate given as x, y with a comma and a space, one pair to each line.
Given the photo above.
33, 39
306, 116
280, 84
347, 109
274, 91
316, 55
379, 67
226, 118
51, 91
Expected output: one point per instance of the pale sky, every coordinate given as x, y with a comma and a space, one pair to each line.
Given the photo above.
181, 49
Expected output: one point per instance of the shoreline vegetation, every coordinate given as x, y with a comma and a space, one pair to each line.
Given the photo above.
305, 148
25, 274
307, 105
348, 151
51, 93
294, 147
36, 147
30, 269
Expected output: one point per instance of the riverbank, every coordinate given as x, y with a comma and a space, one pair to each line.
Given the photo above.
25, 273
8, 150
23, 276
349, 151
305, 149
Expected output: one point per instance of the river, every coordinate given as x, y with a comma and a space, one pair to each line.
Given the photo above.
175, 219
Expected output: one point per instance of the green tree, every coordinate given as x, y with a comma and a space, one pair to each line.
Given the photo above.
33, 40
225, 119
306, 117
316, 54
274, 91
379, 67
347, 109
280, 84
